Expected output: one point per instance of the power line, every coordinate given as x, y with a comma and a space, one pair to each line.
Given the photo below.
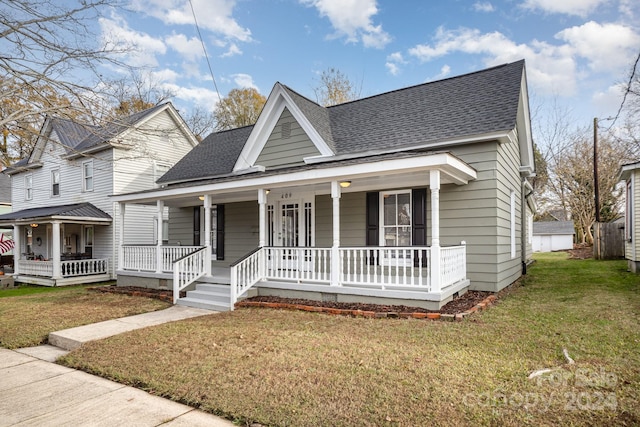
627, 91
204, 49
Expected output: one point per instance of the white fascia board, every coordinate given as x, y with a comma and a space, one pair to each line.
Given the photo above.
625, 171
524, 128
455, 168
278, 100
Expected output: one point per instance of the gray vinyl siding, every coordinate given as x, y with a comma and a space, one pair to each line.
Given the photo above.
241, 229
632, 248
352, 220
282, 151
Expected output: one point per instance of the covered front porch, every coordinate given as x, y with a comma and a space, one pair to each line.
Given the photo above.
56, 246
393, 262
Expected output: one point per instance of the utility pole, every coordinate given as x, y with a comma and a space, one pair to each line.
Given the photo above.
595, 168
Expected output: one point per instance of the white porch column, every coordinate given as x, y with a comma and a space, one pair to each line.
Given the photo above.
434, 184
17, 249
122, 207
262, 209
207, 234
335, 253
160, 206
55, 237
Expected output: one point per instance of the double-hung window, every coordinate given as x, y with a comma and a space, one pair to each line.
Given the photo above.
87, 176
395, 225
28, 187
55, 182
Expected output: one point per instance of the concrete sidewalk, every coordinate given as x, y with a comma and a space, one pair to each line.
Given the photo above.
36, 392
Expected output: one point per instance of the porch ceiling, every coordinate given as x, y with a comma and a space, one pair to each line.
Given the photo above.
399, 170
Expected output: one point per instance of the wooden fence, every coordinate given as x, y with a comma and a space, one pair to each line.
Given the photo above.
608, 240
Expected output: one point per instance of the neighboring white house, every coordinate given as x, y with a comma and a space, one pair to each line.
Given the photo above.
550, 236
411, 197
630, 173
64, 218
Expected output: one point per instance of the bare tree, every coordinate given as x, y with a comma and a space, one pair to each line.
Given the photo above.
200, 121
135, 92
49, 47
241, 107
335, 88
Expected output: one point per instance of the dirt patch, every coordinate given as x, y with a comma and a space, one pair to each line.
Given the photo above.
581, 251
136, 291
459, 304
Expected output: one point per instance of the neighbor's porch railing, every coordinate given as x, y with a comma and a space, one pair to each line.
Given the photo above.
83, 267
144, 257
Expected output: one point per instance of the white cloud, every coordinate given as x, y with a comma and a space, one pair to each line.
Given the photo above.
244, 81
212, 15
232, 51
191, 49
608, 100
202, 97
607, 47
393, 63
483, 6
444, 72
353, 20
551, 68
393, 68
139, 49
568, 7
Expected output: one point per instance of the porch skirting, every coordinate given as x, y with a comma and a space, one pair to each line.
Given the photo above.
65, 281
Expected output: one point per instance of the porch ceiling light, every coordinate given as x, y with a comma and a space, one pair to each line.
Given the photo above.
345, 184
33, 225
201, 197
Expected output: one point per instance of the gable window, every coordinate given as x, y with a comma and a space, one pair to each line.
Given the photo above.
87, 176
28, 187
55, 182
159, 169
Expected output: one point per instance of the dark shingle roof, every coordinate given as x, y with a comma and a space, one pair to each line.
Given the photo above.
553, 227
215, 155
77, 210
479, 103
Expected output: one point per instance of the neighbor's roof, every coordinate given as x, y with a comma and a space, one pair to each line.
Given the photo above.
553, 227
77, 210
625, 170
480, 103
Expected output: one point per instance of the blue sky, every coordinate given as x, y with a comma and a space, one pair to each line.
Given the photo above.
578, 52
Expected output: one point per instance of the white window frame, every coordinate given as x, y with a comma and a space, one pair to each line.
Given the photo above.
54, 182
159, 169
86, 177
165, 230
85, 240
512, 223
28, 187
386, 260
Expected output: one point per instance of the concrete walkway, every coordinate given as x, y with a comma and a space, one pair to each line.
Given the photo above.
36, 392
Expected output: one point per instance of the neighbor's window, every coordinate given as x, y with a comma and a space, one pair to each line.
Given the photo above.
159, 169
55, 182
28, 187
87, 176
395, 218
88, 239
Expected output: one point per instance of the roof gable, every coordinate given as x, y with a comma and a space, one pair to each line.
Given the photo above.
279, 98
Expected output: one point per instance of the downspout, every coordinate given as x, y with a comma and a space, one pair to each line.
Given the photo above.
523, 221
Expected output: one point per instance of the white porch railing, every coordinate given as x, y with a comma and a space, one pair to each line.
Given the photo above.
385, 267
377, 267
144, 257
83, 267
188, 269
35, 268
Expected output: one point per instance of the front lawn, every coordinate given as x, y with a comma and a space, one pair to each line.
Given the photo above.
307, 369
29, 314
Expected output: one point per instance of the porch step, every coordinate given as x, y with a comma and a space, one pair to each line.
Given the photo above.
208, 296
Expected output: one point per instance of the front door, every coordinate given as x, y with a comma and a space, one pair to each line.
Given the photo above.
291, 226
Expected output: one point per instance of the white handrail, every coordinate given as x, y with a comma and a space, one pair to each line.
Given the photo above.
246, 273
187, 270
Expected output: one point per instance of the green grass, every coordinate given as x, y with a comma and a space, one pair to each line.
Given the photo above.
306, 369
29, 314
